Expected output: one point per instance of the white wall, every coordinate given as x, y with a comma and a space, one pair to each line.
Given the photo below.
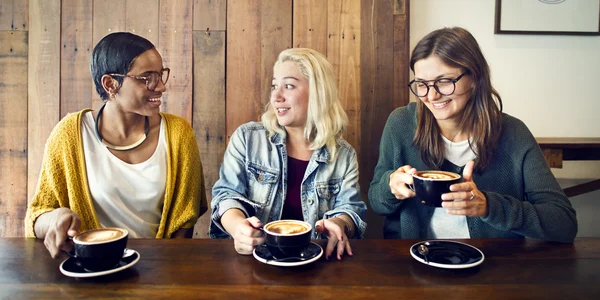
552, 83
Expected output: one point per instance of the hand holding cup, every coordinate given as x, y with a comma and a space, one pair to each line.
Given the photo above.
248, 235
465, 198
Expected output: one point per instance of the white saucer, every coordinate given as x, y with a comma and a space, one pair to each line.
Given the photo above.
448, 254
70, 267
313, 252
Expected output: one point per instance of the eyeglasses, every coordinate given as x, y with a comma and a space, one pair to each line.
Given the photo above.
151, 79
443, 86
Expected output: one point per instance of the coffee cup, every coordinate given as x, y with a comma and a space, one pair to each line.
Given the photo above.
100, 249
430, 185
285, 238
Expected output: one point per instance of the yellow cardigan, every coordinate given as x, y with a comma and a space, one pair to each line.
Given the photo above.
63, 179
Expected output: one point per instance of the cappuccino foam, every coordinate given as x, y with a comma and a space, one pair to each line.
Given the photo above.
100, 235
437, 175
287, 228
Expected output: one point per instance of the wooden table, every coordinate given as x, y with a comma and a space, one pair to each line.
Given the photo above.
379, 269
557, 150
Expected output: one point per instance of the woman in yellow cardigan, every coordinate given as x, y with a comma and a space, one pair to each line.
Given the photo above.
126, 165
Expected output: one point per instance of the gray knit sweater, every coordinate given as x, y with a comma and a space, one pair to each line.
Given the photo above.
524, 198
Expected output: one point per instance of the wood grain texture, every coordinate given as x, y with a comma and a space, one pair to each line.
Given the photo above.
14, 15
209, 110
136, 16
108, 16
343, 52
554, 157
43, 91
379, 269
310, 25
276, 36
401, 58
76, 40
377, 64
210, 15
142, 18
13, 131
243, 84
175, 46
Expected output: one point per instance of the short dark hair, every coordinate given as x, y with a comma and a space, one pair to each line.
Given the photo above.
115, 53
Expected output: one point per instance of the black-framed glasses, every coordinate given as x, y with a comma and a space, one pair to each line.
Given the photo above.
151, 79
443, 86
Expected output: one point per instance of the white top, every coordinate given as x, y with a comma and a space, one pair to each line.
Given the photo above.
124, 195
444, 225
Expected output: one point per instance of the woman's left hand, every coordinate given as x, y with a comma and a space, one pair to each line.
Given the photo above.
465, 199
337, 239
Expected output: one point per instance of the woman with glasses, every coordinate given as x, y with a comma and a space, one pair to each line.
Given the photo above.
294, 164
457, 125
125, 165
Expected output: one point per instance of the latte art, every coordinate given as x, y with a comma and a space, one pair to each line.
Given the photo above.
100, 235
286, 228
437, 175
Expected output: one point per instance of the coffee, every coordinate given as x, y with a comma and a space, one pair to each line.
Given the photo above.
103, 235
285, 238
100, 249
287, 227
441, 175
430, 185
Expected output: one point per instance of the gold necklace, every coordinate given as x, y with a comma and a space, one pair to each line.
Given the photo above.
121, 148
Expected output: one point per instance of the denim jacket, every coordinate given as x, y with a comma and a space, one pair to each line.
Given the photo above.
253, 178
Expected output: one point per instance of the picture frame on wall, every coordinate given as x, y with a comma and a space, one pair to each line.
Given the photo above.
548, 17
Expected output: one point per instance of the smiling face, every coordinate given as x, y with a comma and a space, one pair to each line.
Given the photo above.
133, 96
289, 95
445, 109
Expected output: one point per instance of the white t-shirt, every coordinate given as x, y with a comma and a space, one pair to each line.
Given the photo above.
125, 195
444, 225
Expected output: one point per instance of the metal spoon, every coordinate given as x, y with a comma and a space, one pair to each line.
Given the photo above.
423, 251
285, 259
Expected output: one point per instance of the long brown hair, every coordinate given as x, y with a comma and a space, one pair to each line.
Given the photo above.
481, 117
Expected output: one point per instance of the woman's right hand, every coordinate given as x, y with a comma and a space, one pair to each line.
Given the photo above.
248, 235
398, 182
59, 224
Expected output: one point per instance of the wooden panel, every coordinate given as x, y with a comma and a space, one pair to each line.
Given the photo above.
401, 7
175, 45
276, 36
554, 157
13, 132
209, 110
310, 24
343, 51
108, 16
377, 64
243, 63
143, 19
44, 92
76, 40
401, 56
14, 14
135, 16
210, 15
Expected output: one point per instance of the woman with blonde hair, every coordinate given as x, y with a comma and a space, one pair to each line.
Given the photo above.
294, 164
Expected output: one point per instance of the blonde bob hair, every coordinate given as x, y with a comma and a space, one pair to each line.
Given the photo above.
326, 120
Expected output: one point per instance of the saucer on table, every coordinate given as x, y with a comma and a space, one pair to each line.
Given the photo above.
310, 254
448, 254
71, 268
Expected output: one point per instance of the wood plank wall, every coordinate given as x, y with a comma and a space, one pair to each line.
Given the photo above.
221, 54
